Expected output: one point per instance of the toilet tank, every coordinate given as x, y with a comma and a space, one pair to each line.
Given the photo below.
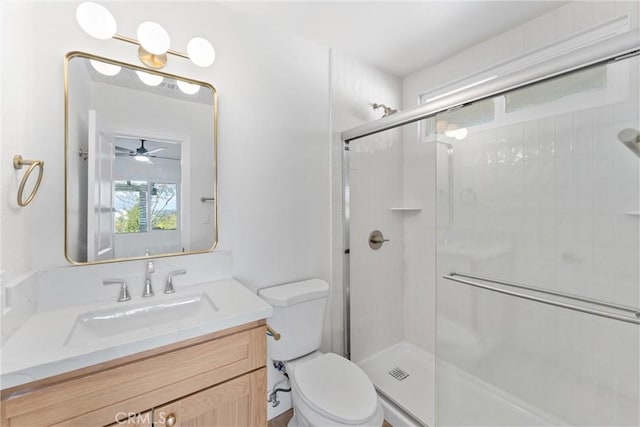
298, 315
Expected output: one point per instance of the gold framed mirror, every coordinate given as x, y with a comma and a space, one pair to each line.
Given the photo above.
140, 162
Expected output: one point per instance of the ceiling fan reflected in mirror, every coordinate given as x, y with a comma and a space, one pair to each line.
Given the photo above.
141, 154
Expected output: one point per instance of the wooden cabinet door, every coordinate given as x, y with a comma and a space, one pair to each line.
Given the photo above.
238, 402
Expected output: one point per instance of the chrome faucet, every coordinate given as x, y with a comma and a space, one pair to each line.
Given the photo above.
148, 289
124, 292
168, 287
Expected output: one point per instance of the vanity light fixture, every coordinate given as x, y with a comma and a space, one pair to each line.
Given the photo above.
201, 52
153, 40
96, 20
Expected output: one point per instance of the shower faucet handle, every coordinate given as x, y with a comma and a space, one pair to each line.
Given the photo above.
376, 239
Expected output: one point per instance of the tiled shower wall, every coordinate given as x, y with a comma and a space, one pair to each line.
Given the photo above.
356, 85
377, 291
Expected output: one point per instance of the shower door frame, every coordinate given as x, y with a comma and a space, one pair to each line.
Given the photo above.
612, 49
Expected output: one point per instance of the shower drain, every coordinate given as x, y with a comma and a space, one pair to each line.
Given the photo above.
398, 374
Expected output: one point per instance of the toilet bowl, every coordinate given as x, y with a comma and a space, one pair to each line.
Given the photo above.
327, 389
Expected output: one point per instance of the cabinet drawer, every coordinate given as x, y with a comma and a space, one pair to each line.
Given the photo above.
134, 387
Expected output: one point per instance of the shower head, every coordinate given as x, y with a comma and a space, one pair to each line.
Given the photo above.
630, 138
387, 110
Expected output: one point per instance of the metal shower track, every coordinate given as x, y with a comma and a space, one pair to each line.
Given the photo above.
614, 48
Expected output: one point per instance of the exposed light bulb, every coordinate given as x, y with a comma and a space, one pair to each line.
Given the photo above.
96, 20
153, 38
149, 79
201, 52
105, 68
188, 88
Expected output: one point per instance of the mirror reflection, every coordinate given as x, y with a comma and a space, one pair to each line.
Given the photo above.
140, 166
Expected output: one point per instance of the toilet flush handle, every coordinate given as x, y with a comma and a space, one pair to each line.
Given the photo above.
272, 333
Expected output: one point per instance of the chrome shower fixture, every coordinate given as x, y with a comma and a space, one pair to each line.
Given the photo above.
387, 110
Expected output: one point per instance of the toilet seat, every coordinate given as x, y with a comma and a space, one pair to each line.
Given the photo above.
335, 388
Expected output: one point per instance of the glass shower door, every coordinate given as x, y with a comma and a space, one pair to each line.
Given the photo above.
538, 254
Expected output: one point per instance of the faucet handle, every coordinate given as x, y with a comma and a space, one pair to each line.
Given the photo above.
168, 287
124, 291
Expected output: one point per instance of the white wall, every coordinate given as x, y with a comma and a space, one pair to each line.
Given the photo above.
17, 128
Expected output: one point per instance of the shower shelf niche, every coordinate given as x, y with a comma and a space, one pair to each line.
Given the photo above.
409, 209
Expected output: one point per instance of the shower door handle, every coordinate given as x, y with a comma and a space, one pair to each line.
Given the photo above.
376, 239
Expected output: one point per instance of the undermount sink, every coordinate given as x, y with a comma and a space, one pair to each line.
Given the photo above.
124, 318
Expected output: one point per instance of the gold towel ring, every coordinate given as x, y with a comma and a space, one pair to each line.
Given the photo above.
18, 163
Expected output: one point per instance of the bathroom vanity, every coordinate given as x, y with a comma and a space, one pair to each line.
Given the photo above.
182, 372
218, 379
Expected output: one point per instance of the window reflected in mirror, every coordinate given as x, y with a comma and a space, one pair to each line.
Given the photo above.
138, 203
163, 206
130, 203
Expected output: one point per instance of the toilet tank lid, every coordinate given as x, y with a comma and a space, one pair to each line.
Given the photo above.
294, 293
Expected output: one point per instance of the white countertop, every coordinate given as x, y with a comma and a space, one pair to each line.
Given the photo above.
41, 347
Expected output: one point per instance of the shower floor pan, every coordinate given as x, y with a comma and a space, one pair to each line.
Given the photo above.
404, 374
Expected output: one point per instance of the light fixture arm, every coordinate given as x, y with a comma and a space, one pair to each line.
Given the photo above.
136, 42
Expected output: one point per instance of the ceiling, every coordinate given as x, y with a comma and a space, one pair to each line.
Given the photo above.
400, 37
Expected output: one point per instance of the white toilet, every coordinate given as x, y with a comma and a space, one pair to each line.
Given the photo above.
327, 389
